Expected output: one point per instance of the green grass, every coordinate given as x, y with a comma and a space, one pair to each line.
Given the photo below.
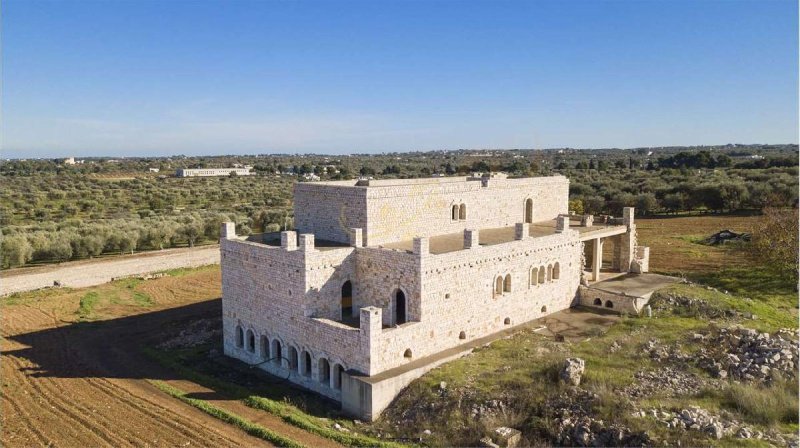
228, 417
180, 272
282, 409
776, 404
143, 299
87, 305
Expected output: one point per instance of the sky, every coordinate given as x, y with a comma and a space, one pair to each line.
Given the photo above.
159, 78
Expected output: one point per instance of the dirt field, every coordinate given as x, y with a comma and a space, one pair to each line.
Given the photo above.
73, 374
71, 383
79, 274
673, 248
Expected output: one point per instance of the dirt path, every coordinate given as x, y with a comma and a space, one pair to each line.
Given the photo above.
79, 274
85, 384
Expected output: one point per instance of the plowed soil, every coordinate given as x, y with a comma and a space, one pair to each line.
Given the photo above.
67, 382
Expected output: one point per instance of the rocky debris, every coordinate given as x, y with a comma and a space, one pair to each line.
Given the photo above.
664, 353
488, 409
698, 307
726, 236
507, 437
615, 347
749, 355
573, 370
197, 333
742, 353
571, 414
712, 425
666, 380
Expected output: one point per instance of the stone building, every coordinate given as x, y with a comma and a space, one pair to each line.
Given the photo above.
385, 279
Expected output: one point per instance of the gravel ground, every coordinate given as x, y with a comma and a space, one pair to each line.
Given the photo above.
79, 274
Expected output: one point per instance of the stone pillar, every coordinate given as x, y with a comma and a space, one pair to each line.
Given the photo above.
617, 255
627, 216
562, 224
521, 230
356, 237
307, 242
371, 324
471, 238
421, 245
227, 231
289, 240
587, 221
597, 258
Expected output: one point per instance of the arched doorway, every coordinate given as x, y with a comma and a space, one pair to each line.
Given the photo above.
529, 210
347, 300
399, 307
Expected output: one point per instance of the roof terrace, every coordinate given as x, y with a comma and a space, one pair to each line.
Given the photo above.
452, 242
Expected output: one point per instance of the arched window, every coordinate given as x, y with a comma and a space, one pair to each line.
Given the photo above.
347, 299
294, 360
454, 215
337, 376
529, 210
407, 353
498, 285
534, 276
507, 321
277, 352
306, 368
609, 304
541, 274
544, 309
462, 335
399, 307
264, 347
251, 341
598, 302
324, 371
239, 337
507, 283
549, 272
462, 212
556, 271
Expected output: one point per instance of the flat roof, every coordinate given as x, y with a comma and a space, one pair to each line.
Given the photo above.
273, 239
372, 183
452, 242
638, 285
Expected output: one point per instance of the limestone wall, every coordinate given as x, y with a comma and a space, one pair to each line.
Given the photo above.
329, 210
458, 295
264, 293
392, 211
381, 273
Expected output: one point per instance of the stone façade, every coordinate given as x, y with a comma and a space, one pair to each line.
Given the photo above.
428, 265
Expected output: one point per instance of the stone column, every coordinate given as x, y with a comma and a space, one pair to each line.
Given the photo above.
521, 230
356, 237
227, 231
597, 258
421, 245
289, 240
562, 224
471, 238
370, 324
307, 242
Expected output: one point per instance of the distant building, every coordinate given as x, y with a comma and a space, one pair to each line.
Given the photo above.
153, 170
211, 172
69, 161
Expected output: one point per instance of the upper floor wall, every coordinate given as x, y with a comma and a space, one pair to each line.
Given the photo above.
398, 210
